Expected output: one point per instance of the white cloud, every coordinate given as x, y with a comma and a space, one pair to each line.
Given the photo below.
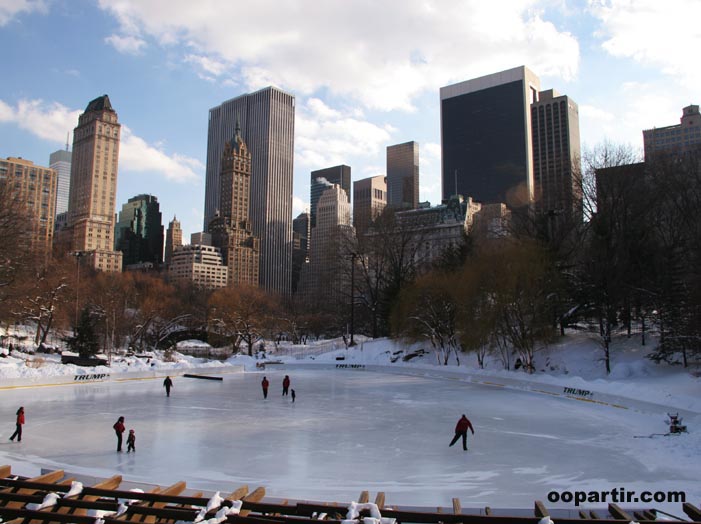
135, 154
326, 137
379, 54
11, 8
47, 121
299, 206
208, 68
662, 35
51, 121
127, 44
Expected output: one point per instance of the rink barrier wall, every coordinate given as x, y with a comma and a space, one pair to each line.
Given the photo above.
107, 376
554, 390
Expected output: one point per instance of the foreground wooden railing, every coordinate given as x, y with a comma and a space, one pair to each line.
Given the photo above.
64, 501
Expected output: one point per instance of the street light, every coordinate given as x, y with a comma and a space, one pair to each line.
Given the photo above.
351, 343
77, 255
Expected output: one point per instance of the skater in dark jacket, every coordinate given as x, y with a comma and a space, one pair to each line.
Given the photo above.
285, 385
119, 430
264, 384
18, 425
461, 431
131, 441
167, 383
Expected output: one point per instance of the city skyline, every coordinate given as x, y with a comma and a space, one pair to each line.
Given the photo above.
352, 101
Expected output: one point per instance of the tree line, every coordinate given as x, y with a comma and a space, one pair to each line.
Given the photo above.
628, 261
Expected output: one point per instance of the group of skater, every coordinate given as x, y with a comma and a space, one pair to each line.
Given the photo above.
461, 428
119, 429
265, 384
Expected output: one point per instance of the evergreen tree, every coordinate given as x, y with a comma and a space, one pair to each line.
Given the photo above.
84, 341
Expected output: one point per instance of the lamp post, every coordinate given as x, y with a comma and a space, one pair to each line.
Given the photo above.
352, 303
77, 255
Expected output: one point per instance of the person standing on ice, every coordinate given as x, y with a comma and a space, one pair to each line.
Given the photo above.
264, 384
18, 425
167, 383
461, 431
285, 385
294, 395
131, 441
119, 430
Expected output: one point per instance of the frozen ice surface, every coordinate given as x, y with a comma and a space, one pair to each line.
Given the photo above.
349, 431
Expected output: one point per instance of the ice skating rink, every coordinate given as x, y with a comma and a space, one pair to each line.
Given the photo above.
348, 431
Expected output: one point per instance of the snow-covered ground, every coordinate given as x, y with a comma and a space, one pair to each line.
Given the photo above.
362, 421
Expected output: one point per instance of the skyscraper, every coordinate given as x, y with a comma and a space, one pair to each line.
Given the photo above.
174, 239
486, 137
266, 118
324, 279
300, 249
139, 232
94, 184
403, 176
322, 179
369, 200
231, 228
556, 156
60, 161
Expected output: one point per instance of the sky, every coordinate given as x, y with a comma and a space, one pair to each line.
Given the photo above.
365, 75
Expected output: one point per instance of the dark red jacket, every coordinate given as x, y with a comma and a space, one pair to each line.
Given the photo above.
463, 425
118, 427
286, 382
20, 417
265, 383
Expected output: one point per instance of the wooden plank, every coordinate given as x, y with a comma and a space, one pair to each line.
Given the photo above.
540, 510
5, 471
364, 497
457, 508
238, 494
110, 483
618, 513
692, 511
380, 499
255, 496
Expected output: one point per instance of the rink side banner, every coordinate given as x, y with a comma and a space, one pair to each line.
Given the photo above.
91, 377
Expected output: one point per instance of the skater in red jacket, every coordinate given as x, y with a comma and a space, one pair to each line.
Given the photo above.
461, 431
264, 384
18, 426
285, 385
119, 430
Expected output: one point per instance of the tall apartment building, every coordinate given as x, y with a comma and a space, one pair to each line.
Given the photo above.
678, 139
231, 228
403, 176
322, 179
556, 156
198, 264
486, 137
139, 232
60, 161
174, 239
36, 187
266, 119
91, 202
369, 200
325, 280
